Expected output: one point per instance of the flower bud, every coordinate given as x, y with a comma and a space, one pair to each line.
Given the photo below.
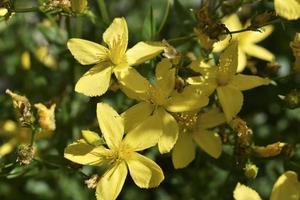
25, 154
46, 117
250, 170
79, 6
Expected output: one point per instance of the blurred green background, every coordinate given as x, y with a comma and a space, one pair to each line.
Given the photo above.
52, 80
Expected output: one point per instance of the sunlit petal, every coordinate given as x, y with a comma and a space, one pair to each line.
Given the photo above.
247, 82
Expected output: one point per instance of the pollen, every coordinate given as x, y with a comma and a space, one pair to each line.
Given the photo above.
186, 120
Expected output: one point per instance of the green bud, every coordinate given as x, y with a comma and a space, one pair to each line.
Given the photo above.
250, 171
78, 6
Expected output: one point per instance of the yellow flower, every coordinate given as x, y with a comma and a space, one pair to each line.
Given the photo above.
228, 84
246, 42
158, 99
46, 116
193, 127
289, 9
287, 187
114, 59
3, 12
121, 154
43, 55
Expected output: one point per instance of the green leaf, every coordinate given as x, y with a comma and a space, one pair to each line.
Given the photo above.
149, 27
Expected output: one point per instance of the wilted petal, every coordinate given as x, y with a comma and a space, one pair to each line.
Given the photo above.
231, 100
144, 172
111, 183
136, 114
87, 52
242, 192
184, 151
209, 142
111, 125
287, 187
142, 52
247, 82
95, 82
86, 154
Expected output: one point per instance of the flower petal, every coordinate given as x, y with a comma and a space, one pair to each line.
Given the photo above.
191, 98
209, 142
111, 183
111, 125
8, 147
242, 60
214, 117
116, 37
170, 131
258, 36
144, 172
87, 52
289, 9
184, 151
247, 82
136, 114
134, 84
242, 192
259, 52
91, 137
287, 187
231, 100
165, 77
145, 135
142, 52
229, 59
95, 82
86, 154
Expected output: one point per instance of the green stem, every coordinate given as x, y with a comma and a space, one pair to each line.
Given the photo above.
26, 10
103, 11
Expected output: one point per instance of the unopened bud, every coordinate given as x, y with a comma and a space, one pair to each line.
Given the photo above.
250, 170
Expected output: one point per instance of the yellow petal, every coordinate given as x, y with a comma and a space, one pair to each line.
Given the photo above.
289, 9
136, 114
231, 100
247, 82
214, 117
242, 60
191, 98
87, 52
184, 151
145, 135
209, 142
95, 82
257, 36
8, 147
287, 187
142, 52
242, 192
111, 183
91, 137
229, 60
116, 37
165, 77
132, 81
111, 125
3, 12
259, 52
170, 131
86, 154
144, 172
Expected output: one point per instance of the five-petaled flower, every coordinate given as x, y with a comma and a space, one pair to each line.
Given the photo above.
119, 153
114, 59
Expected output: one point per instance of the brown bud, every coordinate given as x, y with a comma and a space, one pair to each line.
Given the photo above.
92, 181
171, 53
25, 154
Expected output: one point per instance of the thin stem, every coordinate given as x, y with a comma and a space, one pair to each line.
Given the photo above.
103, 11
26, 10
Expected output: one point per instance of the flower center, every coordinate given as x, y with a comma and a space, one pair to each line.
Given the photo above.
187, 121
223, 78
